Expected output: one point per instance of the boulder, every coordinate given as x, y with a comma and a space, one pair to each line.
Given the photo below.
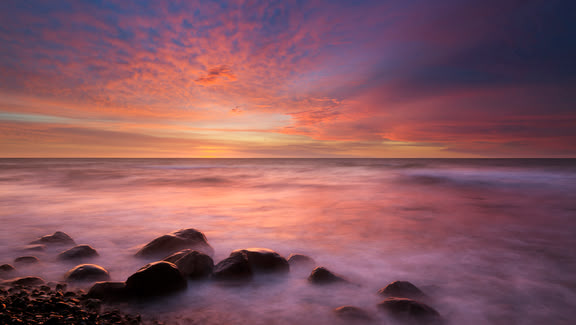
26, 260
191, 263
25, 281
57, 238
410, 311
6, 270
401, 289
34, 248
322, 275
233, 268
156, 279
263, 260
352, 313
78, 252
175, 241
108, 291
300, 260
87, 273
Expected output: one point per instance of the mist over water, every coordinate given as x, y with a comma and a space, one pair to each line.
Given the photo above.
492, 241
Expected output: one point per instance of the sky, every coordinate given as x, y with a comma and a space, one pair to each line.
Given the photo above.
315, 78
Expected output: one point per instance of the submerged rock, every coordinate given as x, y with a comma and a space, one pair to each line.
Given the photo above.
26, 260
401, 289
300, 260
57, 238
6, 270
175, 241
108, 291
233, 268
352, 313
410, 311
322, 275
263, 260
156, 279
191, 263
87, 273
78, 252
34, 248
25, 281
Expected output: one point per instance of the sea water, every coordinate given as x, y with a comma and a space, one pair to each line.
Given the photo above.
491, 241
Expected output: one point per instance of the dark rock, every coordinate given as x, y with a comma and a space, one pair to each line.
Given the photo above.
263, 260
401, 289
352, 313
6, 270
57, 238
87, 273
191, 263
108, 291
78, 252
26, 260
233, 268
155, 279
175, 241
25, 281
321, 275
299, 260
410, 311
34, 248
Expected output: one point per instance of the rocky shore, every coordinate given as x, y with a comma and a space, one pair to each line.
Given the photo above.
177, 258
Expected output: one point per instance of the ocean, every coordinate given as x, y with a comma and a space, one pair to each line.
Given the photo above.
491, 241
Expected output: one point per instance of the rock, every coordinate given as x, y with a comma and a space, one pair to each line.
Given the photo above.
26, 260
25, 281
410, 311
191, 263
321, 275
263, 260
175, 241
401, 289
156, 279
233, 268
108, 291
78, 252
6, 270
352, 313
34, 248
299, 260
87, 273
57, 238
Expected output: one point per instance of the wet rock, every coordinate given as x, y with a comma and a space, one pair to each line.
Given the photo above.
34, 248
78, 252
401, 289
25, 281
352, 313
155, 279
6, 270
233, 268
191, 263
300, 260
410, 311
26, 260
108, 291
175, 241
87, 273
57, 238
263, 260
322, 275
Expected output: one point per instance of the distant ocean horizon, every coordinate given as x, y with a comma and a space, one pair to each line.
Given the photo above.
490, 240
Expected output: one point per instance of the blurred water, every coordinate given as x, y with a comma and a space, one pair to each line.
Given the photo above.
491, 240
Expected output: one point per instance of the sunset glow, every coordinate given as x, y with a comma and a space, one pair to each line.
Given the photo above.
213, 79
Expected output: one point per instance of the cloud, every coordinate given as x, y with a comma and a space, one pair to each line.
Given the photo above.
217, 74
